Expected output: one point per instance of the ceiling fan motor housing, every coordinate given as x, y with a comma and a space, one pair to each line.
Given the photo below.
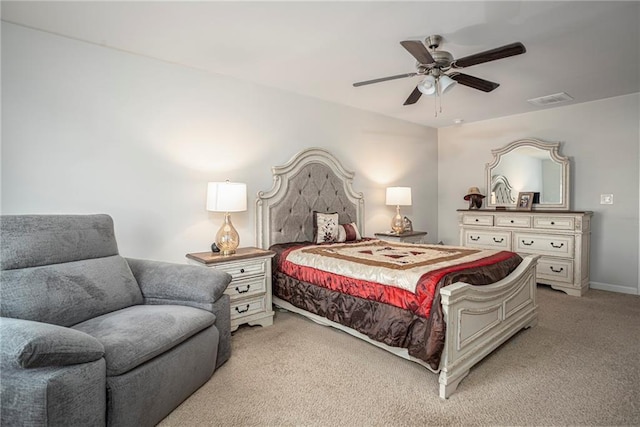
443, 59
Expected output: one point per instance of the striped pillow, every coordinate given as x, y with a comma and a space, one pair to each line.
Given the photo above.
348, 233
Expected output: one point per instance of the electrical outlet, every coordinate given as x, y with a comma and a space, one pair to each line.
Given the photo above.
606, 199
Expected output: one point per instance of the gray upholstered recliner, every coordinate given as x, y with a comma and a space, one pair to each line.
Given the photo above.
88, 337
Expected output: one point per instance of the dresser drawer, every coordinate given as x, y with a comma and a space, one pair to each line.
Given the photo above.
548, 244
486, 220
554, 222
247, 287
487, 239
247, 307
559, 270
243, 269
513, 221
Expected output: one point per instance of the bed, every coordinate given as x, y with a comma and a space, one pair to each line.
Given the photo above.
467, 321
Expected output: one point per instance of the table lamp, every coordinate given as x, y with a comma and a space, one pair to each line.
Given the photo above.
227, 197
398, 196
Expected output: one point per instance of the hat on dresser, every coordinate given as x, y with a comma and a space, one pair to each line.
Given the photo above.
473, 191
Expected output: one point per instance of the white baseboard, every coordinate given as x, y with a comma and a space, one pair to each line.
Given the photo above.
614, 288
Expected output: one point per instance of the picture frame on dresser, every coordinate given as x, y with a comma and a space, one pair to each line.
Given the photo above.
525, 200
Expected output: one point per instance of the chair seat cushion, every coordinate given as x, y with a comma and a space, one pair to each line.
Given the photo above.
137, 334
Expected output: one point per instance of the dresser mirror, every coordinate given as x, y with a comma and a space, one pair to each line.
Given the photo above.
528, 165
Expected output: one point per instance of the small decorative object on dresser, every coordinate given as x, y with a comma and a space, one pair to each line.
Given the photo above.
250, 287
525, 201
474, 197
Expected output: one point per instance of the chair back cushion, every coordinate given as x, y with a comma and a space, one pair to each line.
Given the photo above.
34, 240
63, 269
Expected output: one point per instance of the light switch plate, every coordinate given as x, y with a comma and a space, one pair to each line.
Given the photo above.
606, 199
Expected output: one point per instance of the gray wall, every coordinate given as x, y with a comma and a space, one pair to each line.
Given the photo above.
602, 139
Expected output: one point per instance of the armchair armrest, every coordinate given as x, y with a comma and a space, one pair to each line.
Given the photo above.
29, 344
169, 283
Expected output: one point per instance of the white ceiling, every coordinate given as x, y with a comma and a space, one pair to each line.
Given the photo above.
590, 50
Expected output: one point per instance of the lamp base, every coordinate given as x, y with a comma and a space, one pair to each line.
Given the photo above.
397, 223
227, 238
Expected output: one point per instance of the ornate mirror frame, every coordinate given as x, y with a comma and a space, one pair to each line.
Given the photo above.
552, 148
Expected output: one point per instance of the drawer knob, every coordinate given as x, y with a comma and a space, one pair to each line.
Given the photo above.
477, 220
557, 246
511, 221
244, 290
475, 239
553, 223
527, 244
242, 311
242, 270
556, 271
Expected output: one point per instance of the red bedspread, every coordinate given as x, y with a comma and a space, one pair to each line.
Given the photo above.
430, 268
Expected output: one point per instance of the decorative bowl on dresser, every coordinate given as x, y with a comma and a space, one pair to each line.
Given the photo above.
250, 287
561, 238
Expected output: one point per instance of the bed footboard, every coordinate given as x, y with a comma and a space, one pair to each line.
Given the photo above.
481, 318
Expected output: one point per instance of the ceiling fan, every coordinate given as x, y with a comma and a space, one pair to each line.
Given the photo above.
433, 64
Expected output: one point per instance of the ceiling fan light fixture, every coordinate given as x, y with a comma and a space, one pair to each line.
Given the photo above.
428, 85
446, 83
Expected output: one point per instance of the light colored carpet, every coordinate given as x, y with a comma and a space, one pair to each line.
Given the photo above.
579, 366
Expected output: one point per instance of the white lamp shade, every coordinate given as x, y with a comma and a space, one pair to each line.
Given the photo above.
445, 82
428, 85
399, 196
226, 196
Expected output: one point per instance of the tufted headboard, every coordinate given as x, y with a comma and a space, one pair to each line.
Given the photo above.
313, 180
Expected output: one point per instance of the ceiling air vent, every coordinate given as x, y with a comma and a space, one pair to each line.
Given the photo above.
545, 101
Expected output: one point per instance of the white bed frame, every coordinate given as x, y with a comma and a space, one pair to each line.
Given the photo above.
478, 318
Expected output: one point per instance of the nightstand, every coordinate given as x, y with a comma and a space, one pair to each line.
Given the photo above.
406, 237
250, 288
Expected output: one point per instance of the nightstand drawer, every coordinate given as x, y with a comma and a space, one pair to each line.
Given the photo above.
240, 270
486, 220
548, 244
247, 287
247, 307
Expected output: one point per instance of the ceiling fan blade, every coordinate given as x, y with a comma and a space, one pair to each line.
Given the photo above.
418, 50
474, 82
384, 79
413, 98
490, 55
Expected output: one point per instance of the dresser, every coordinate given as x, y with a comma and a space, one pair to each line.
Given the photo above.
561, 238
250, 287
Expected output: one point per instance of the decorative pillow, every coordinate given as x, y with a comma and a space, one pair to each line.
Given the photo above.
348, 233
325, 226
